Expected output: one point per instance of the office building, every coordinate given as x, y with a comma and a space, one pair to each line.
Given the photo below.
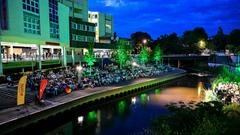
104, 24
34, 29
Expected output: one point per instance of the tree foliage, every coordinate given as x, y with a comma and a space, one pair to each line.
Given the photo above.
170, 44
204, 118
144, 55
220, 40
192, 37
157, 54
138, 38
189, 42
89, 57
122, 54
234, 37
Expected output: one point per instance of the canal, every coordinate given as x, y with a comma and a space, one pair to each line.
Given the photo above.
125, 116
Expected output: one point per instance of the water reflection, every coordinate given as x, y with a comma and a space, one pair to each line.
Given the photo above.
122, 106
80, 120
200, 88
175, 94
131, 115
134, 100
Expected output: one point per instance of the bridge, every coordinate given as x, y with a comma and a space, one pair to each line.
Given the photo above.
192, 60
185, 60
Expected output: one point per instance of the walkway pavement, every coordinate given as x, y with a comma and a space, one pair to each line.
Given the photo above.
11, 114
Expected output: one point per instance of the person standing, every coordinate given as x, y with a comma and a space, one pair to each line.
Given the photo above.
14, 56
9, 80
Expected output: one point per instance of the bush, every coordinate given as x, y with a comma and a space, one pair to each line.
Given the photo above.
204, 118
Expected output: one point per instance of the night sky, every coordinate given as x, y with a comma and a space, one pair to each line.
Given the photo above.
159, 17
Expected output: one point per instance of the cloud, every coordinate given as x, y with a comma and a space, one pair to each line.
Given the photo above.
156, 20
114, 3
120, 3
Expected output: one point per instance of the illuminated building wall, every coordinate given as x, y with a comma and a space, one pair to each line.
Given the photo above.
31, 23
104, 24
78, 8
81, 31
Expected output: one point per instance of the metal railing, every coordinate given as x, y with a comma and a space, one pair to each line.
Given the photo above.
29, 58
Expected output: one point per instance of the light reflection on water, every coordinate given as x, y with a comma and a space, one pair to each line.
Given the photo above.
132, 114
176, 94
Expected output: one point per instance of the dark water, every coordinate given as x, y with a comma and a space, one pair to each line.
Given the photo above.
130, 115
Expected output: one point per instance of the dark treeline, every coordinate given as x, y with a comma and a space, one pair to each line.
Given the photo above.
192, 41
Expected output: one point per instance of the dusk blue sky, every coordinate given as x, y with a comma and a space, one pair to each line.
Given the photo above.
159, 17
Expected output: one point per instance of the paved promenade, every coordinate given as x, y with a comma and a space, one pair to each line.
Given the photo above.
14, 113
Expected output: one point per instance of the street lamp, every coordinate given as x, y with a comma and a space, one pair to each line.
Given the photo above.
144, 41
79, 70
202, 44
134, 64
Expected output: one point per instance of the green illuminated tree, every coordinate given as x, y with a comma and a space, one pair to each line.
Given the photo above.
144, 55
89, 56
157, 54
122, 54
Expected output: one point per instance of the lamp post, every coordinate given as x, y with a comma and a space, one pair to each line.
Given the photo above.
102, 53
1, 67
114, 39
79, 70
32, 63
144, 42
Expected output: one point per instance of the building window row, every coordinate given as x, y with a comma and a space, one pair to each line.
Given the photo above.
90, 39
82, 38
31, 6
53, 18
82, 27
53, 11
92, 16
54, 30
3, 15
31, 23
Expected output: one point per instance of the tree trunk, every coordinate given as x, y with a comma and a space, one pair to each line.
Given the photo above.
238, 59
90, 70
